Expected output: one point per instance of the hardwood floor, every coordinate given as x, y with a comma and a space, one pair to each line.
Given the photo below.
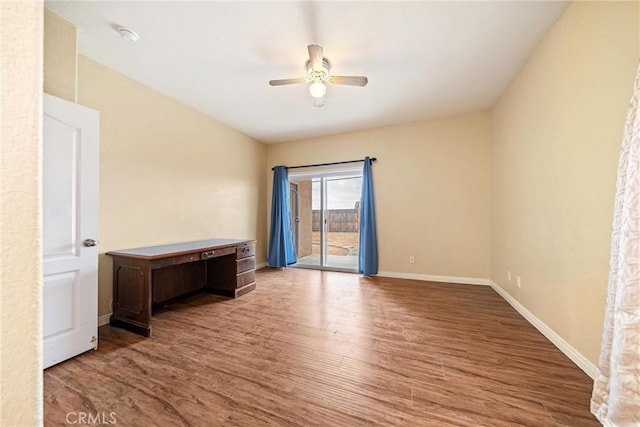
331, 349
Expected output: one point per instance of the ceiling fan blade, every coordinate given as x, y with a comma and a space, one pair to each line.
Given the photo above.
287, 81
348, 80
315, 57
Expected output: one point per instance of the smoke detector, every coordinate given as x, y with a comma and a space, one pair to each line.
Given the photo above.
128, 34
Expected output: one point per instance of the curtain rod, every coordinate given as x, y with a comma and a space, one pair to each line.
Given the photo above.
373, 159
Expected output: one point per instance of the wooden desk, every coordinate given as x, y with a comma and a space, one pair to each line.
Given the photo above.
146, 277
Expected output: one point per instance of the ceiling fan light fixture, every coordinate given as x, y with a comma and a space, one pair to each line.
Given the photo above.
317, 89
318, 75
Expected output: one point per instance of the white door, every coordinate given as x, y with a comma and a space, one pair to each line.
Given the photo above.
70, 226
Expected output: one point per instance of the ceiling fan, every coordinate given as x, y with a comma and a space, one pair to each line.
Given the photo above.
318, 74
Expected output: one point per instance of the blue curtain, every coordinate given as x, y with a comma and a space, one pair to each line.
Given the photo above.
368, 258
281, 249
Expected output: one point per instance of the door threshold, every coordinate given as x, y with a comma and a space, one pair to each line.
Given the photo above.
323, 268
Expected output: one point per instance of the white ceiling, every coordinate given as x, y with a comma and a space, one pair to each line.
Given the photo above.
423, 59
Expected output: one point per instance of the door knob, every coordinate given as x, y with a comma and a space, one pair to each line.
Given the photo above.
90, 242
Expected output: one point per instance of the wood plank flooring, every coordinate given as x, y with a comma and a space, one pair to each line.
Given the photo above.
314, 348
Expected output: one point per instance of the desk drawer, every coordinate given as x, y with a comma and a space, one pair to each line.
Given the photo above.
213, 253
245, 264
245, 278
174, 260
246, 251
182, 259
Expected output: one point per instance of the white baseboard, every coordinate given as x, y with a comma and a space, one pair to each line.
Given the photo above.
103, 320
573, 354
433, 278
261, 265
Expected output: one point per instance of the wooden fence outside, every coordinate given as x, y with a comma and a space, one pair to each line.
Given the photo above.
338, 220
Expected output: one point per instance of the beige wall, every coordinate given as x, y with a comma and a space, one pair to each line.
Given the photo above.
60, 57
431, 184
20, 225
168, 173
556, 136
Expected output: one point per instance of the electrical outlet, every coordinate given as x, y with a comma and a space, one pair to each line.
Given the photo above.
518, 282
412, 259
509, 275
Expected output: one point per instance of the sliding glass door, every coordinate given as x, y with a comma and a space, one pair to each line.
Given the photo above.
326, 219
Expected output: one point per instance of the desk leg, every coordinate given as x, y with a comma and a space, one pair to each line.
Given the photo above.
132, 295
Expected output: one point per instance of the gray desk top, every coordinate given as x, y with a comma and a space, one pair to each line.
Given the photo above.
153, 251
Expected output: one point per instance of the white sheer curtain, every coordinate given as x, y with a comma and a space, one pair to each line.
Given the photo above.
616, 391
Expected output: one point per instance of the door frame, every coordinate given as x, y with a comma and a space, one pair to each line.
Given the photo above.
323, 175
